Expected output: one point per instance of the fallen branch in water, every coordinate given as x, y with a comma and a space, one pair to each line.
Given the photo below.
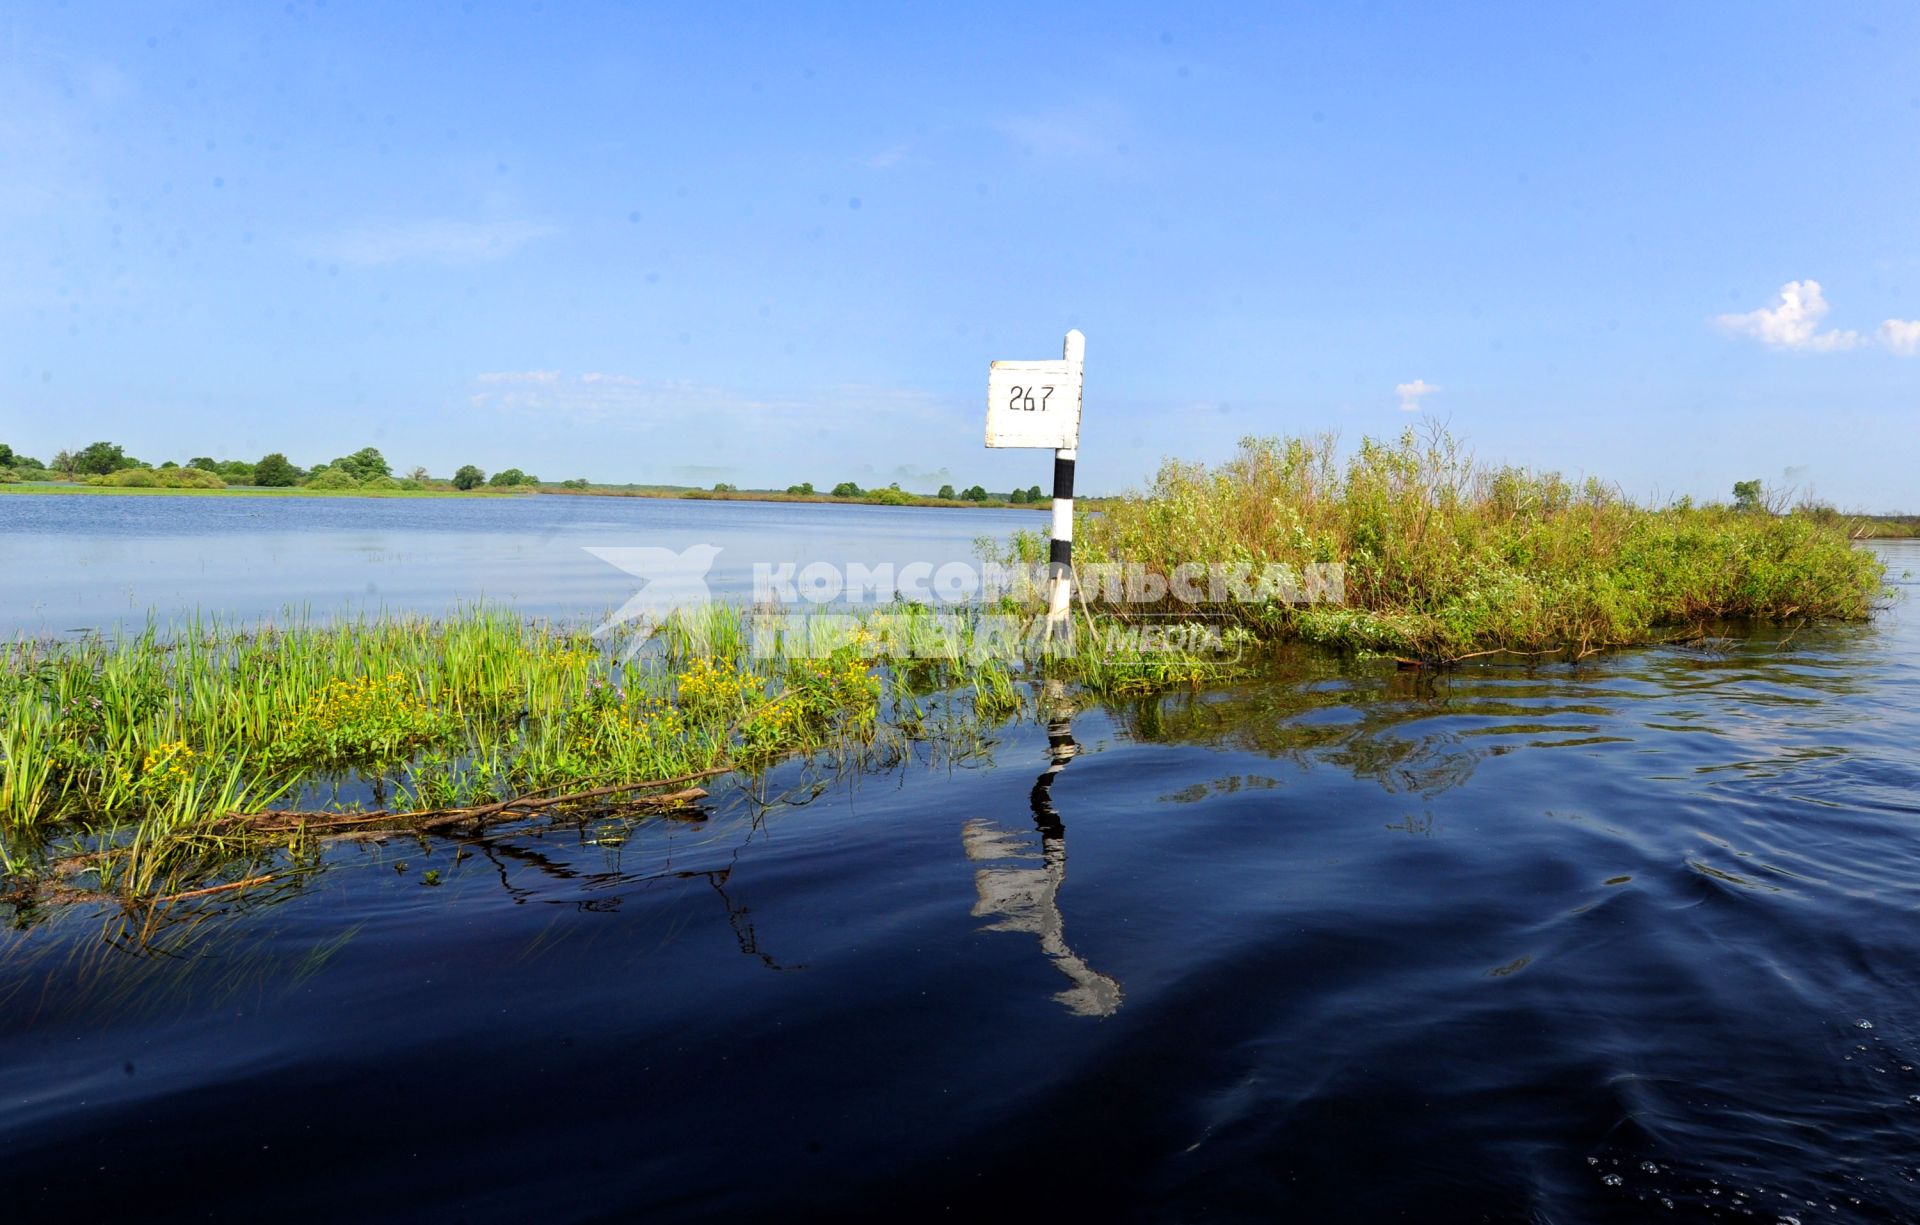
51, 892
248, 883
361, 825
672, 799
535, 799
282, 820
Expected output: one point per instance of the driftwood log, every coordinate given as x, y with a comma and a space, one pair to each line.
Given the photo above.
324, 821
379, 824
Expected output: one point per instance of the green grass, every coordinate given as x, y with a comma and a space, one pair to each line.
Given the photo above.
484, 704
253, 492
1445, 557
136, 753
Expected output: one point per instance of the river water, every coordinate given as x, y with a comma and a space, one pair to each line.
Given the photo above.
1637, 939
76, 562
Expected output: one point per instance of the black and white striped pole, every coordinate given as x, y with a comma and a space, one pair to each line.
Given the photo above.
1037, 404
1060, 551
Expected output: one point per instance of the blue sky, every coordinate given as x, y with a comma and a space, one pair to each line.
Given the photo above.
772, 243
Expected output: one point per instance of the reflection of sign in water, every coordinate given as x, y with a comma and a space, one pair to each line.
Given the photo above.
1023, 895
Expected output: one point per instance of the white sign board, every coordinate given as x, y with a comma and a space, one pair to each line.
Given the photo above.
1034, 404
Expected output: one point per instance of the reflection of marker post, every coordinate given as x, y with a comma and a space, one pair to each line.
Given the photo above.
1061, 749
1060, 552
1027, 899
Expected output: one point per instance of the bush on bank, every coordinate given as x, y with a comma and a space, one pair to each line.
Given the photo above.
159, 478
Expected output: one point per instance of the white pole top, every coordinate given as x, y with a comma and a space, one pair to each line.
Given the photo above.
1076, 347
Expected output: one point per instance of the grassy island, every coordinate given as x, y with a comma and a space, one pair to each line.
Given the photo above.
1445, 557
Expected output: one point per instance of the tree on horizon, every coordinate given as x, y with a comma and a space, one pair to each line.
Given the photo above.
275, 471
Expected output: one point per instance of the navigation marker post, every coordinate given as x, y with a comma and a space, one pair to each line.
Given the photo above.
1037, 404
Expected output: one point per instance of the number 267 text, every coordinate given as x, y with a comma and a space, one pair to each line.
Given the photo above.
1029, 399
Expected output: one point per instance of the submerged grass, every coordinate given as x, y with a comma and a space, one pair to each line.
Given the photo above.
147, 745
1445, 557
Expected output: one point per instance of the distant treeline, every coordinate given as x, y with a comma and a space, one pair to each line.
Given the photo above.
107, 463
850, 490
946, 493
844, 492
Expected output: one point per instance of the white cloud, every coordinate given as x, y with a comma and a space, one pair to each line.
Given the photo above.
439, 240
1902, 336
520, 376
1792, 323
1411, 394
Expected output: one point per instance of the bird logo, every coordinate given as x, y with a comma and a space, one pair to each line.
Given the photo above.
669, 580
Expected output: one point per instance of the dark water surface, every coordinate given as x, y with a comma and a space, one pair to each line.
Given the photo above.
1633, 940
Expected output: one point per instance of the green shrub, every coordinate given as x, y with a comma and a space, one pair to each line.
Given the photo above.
191, 478
332, 478
128, 478
274, 471
101, 459
363, 464
158, 478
